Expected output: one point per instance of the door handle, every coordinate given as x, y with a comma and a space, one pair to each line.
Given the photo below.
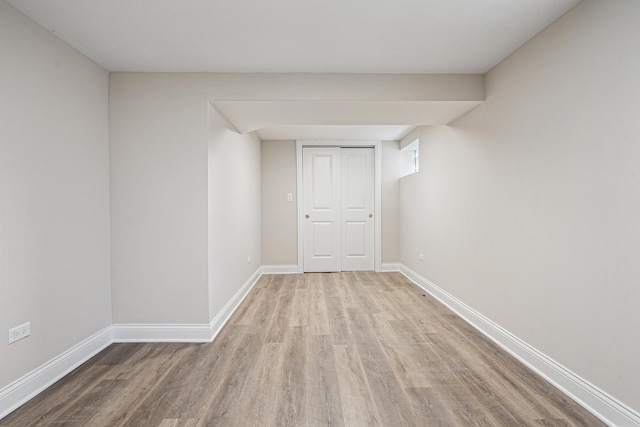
306, 216
370, 215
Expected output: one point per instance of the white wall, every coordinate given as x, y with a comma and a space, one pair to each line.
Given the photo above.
528, 208
279, 217
54, 195
234, 211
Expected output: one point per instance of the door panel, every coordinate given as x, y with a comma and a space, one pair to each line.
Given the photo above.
322, 238
321, 209
338, 206
357, 206
322, 181
355, 239
355, 180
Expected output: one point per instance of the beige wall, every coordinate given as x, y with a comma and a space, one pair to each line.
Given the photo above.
54, 195
185, 202
234, 211
527, 208
390, 178
161, 170
279, 226
279, 219
159, 208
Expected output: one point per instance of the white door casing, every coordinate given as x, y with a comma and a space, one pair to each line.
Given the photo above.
357, 209
321, 209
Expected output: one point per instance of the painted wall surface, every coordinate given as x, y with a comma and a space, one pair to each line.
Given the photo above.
279, 216
234, 211
527, 208
54, 195
158, 142
279, 226
160, 146
390, 180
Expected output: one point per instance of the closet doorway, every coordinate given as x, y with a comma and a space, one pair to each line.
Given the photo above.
338, 224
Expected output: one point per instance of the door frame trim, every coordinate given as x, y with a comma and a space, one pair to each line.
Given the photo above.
377, 193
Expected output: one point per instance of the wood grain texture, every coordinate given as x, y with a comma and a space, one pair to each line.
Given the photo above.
323, 349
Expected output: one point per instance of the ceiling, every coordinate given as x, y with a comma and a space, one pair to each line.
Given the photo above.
333, 36
319, 36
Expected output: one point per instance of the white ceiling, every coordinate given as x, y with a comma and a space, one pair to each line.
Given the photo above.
318, 36
350, 36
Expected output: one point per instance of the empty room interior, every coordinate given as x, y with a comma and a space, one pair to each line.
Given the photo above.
303, 212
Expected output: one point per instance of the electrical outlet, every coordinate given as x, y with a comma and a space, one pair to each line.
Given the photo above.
249, 259
421, 257
19, 332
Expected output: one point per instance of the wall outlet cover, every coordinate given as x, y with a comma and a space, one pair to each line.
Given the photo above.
19, 332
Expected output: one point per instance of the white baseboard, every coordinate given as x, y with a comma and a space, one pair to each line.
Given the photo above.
19, 392
221, 319
386, 267
591, 397
205, 332
595, 400
280, 269
160, 333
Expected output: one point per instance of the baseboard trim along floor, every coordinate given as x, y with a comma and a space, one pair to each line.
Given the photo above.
26, 388
390, 266
185, 333
596, 401
21, 391
280, 269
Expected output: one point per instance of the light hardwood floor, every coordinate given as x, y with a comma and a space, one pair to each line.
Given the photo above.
341, 349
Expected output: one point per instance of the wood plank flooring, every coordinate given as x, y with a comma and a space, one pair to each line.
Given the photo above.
330, 349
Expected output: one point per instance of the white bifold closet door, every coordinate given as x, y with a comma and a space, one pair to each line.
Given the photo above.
356, 208
338, 201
